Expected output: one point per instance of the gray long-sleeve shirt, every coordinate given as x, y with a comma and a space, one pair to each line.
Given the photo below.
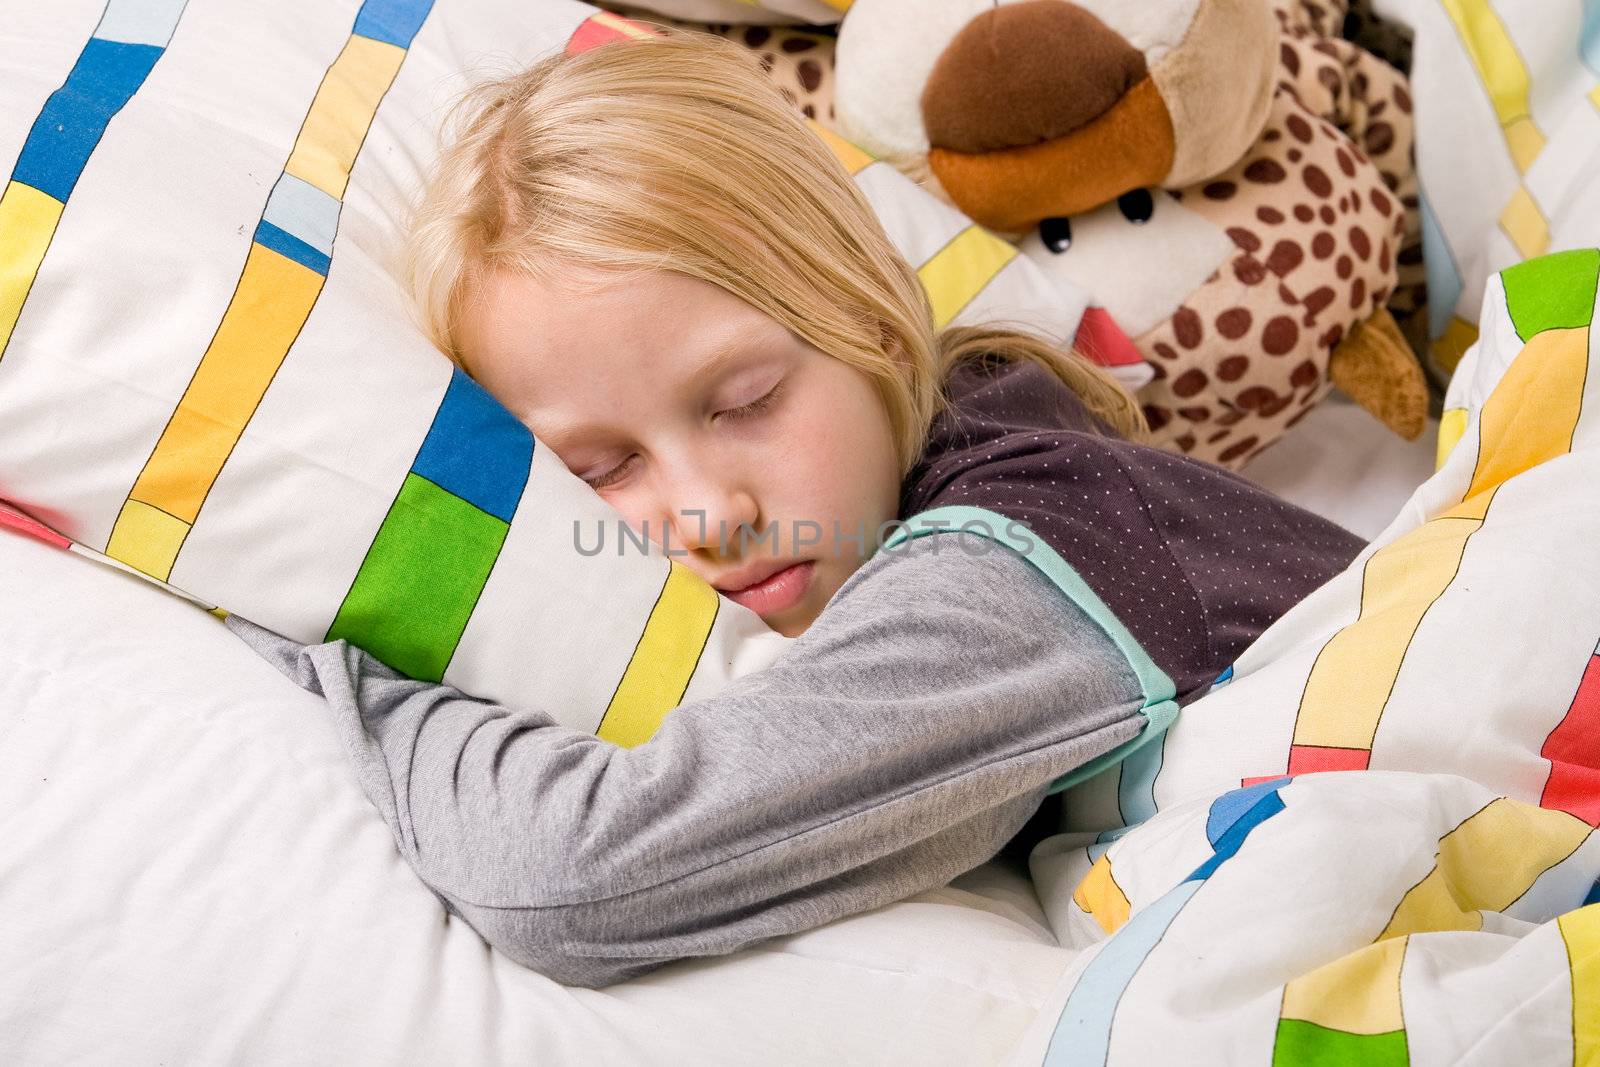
902, 740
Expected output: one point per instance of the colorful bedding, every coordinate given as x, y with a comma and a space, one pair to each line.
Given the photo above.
1507, 109
1375, 843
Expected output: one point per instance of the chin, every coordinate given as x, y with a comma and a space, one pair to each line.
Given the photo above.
794, 621
792, 628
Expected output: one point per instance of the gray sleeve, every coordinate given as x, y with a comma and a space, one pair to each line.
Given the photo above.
897, 743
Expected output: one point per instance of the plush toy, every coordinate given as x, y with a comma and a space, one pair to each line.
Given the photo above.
1025, 110
1271, 282
1256, 277
800, 62
1230, 179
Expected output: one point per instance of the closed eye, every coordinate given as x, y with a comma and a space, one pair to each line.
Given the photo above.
609, 476
756, 406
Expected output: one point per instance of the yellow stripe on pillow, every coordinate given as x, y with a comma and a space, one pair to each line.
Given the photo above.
1580, 932
1528, 419
960, 270
147, 539
342, 112
274, 297
1102, 898
1349, 686
1459, 335
1525, 224
1357, 994
664, 659
1519, 842
853, 156
1503, 73
28, 219
1531, 415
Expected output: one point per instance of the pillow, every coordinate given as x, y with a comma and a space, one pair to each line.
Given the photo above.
209, 376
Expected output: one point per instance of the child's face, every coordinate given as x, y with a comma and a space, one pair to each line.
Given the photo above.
669, 395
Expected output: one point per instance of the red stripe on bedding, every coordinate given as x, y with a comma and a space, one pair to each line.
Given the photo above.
12, 519
1573, 749
599, 29
1308, 759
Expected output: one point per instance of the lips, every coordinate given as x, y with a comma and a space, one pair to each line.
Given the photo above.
777, 586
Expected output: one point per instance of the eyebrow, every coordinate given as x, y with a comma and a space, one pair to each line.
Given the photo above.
729, 351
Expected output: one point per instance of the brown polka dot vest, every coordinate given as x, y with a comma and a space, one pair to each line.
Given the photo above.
1193, 560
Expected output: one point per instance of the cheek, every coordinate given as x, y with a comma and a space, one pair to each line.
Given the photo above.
631, 508
842, 455
869, 442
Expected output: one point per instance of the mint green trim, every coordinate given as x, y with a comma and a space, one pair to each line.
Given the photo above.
1160, 707
1156, 720
1152, 679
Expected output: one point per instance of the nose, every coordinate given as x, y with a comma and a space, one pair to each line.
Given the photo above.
706, 500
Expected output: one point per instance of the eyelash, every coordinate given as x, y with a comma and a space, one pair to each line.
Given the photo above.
750, 410
756, 406
606, 479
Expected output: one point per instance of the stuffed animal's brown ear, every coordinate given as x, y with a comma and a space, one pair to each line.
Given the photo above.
1376, 368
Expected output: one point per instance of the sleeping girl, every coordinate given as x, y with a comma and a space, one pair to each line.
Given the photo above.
649, 259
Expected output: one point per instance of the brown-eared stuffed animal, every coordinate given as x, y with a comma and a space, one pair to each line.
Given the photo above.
1230, 180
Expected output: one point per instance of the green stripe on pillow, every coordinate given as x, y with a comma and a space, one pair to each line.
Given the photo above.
421, 579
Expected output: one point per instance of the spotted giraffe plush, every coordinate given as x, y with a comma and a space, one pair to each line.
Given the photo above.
1244, 299
798, 59
1229, 177
1293, 257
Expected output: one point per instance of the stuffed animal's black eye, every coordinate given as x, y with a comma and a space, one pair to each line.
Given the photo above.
1056, 234
1137, 206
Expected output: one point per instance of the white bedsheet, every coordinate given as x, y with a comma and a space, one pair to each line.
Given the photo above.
191, 874
1344, 464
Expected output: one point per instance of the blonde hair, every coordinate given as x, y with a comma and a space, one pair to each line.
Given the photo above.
674, 153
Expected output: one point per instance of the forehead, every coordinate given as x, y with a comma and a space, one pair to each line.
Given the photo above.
591, 344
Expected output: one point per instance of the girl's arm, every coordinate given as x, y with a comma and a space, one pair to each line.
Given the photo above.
899, 742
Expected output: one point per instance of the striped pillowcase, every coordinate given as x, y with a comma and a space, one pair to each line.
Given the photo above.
208, 376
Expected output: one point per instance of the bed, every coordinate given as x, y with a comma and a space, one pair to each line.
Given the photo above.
192, 873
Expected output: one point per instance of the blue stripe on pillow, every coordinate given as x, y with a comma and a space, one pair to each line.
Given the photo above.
393, 21
76, 115
290, 246
476, 449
